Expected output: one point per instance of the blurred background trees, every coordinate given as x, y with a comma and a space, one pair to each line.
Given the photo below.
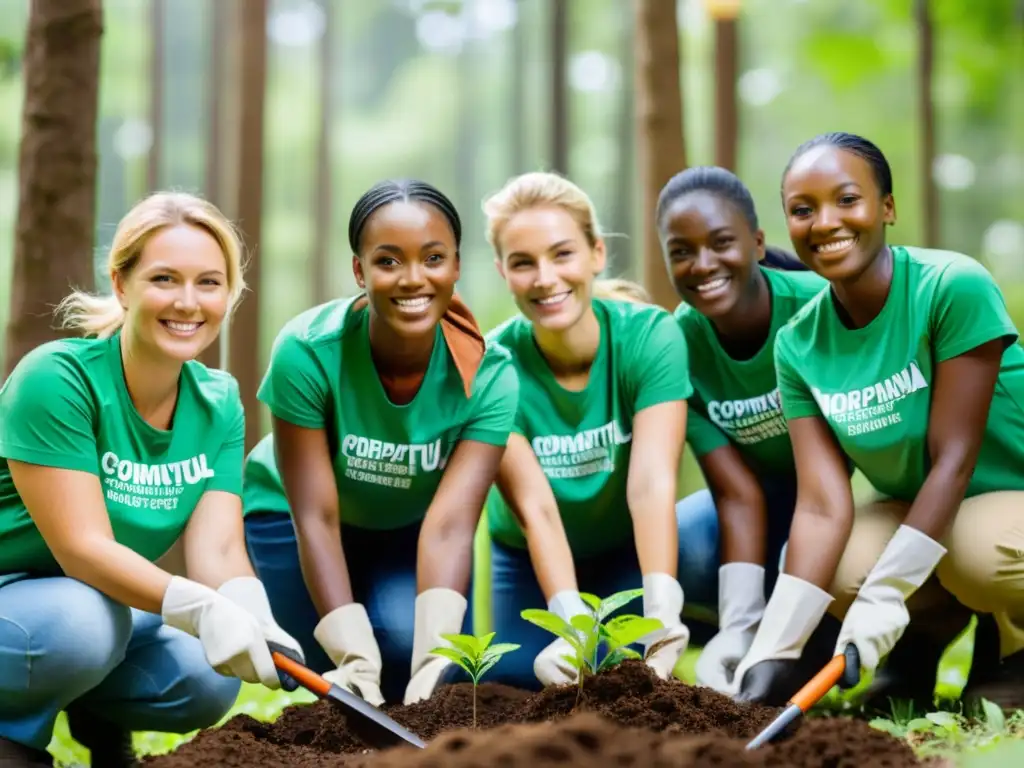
285, 111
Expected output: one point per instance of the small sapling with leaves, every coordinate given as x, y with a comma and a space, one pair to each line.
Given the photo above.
475, 655
586, 634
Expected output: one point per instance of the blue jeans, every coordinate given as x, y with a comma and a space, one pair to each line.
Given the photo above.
63, 642
514, 587
382, 572
780, 500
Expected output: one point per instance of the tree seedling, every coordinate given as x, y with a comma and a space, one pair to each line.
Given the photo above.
475, 655
586, 634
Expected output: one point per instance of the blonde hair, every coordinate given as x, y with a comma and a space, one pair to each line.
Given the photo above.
540, 189
620, 289
102, 316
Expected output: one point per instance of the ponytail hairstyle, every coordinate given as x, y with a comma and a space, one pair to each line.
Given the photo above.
542, 189
725, 185
101, 316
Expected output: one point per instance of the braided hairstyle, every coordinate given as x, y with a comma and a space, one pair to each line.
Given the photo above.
405, 191
857, 145
727, 186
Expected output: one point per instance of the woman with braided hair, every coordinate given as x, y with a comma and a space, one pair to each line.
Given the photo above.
390, 418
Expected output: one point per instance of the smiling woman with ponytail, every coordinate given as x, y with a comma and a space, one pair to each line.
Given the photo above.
586, 495
112, 447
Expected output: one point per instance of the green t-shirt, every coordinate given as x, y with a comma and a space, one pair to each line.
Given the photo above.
737, 401
388, 459
873, 384
66, 406
583, 439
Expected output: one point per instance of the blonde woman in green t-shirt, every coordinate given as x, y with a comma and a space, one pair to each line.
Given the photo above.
587, 497
909, 364
112, 448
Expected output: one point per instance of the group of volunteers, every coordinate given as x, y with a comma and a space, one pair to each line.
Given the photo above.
346, 537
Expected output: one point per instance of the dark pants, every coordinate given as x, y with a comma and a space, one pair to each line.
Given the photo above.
382, 571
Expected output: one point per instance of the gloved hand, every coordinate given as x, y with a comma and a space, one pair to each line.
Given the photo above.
439, 611
347, 638
232, 638
794, 611
663, 600
550, 667
740, 607
248, 592
878, 615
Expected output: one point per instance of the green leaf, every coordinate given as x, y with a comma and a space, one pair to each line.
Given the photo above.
617, 657
631, 630
451, 653
882, 724
945, 720
458, 658
576, 661
500, 649
483, 642
919, 724
486, 665
584, 624
465, 643
593, 601
611, 604
554, 624
994, 716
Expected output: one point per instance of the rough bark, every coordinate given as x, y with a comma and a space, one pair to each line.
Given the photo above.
659, 113
57, 158
244, 344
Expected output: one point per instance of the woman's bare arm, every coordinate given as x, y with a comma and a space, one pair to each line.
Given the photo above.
304, 462
67, 507
526, 490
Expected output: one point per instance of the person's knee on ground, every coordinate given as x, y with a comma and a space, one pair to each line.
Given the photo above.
911, 670
71, 636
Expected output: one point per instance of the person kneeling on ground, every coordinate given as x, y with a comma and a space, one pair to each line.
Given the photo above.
909, 365
390, 418
736, 294
111, 448
586, 495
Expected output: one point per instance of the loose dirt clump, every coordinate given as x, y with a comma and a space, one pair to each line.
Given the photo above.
626, 717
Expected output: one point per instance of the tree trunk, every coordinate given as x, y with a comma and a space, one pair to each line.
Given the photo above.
659, 113
926, 107
559, 86
726, 112
323, 188
53, 247
244, 342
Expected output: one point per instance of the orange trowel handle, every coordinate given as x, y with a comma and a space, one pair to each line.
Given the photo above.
306, 677
820, 684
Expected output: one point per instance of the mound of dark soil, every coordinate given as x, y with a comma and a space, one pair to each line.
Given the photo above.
626, 717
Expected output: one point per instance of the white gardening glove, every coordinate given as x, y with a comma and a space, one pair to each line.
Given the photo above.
740, 607
663, 600
248, 592
550, 666
792, 614
347, 638
439, 611
232, 638
878, 615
